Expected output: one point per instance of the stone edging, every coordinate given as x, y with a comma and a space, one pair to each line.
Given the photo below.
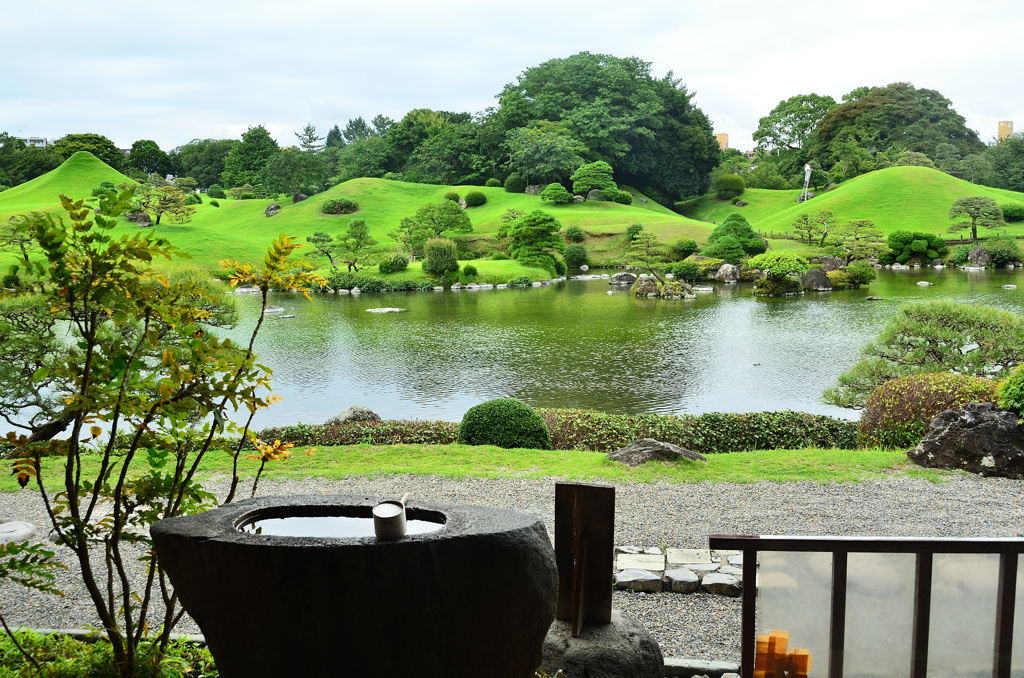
674, 570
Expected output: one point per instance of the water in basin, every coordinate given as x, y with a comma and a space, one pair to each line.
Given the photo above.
327, 526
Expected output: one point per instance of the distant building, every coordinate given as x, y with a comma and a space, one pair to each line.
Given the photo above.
723, 140
749, 155
1005, 129
40, 142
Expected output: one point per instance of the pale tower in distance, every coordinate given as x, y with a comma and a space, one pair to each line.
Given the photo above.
1005, 129
723, 140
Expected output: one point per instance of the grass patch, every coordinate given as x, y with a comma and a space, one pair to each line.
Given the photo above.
485, 461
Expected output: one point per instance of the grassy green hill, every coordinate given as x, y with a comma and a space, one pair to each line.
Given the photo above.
911, 198
240, 230
76, 178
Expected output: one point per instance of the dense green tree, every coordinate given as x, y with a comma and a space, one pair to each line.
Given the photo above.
791, 124
291, 170
97, 144
449, 157
647, 129
543, 152
917, 119
980, 210
728, 248
413, 129
1007, 163
334, 139
147, 157
357, 130
17, 235
533, 240
412, 234
805, 227
916, 159
858, 239
323, 246
736, 226
934, 336
355, 244
778, 264
947, 157
976, 166
381, 123
766, 174
443, 216
29, 163
825, 220
594, 175
646, 251
370, 157
246, 160
202, 159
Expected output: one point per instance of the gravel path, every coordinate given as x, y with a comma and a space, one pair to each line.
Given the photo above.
696, 625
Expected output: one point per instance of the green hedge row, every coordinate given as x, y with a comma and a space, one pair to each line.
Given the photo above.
588, 430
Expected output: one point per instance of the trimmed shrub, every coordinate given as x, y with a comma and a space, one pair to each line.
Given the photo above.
633, 230
395, 264
575, 256
906, 245
1003, 250
388, 432
216, 191
779, 286
621, 197
556, 194
214, 203
560, 267
243, 192
960, 254
193, 198
440, 256
727, 248
341, 280
505, 422
861, 272
1012, 211
897, 413
469, 270
452, 195
687, 271
520, 281
493, 183
574, 233
684, 247
1011, 391
10, 281
475, 199
729, 186
339, 206
515, 184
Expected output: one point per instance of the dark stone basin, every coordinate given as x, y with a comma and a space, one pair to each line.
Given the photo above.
475, 597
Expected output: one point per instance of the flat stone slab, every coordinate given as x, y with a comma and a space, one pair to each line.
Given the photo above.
736, 561
734, 571
16, 530
676, 666
384, 310
681, 580
640, 561
685, 556
638, 580
721, 584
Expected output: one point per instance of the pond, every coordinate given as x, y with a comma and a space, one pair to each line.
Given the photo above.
571, 344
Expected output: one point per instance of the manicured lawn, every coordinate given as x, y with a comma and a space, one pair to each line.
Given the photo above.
462, 461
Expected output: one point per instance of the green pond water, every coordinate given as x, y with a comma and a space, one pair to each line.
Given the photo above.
571, 344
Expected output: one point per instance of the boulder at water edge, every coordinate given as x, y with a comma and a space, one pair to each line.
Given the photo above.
816, 279
979, 256
622, 279
353, 413
649, 449
728, 273
979, 438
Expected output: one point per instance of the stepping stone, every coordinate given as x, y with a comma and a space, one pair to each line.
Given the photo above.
638, 580
721, 584
629, 549
678, 557
16, 530
654, 551
703, 568
734, 571
736, 561
681, 580
640, 561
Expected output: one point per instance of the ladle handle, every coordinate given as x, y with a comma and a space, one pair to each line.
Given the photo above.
404, 497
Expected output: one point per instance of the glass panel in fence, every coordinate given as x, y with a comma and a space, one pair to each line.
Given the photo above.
879, 615
795, 598
963, 619
1017, 656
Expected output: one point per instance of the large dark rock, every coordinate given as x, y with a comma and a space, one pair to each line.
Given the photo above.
272, 209
622, 278
475, 598
979, 256
621, 648
141, 218
979, 438
646, 286
353, 413
830, 263
815, 279
649, 449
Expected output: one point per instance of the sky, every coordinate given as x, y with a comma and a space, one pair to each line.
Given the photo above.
172, 72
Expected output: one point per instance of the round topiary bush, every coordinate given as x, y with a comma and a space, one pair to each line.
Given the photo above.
515, 184
633, 230
216, 191
493, 183
574, 233
440, 256
452, 195
1011, 391
469, 270
575, 256
729, 186
505, 422
687, 271
339, 206
897, 414
475, 199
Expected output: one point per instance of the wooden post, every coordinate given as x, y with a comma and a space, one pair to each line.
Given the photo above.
584, 543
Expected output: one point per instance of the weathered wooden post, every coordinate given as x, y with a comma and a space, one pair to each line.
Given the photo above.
584, 542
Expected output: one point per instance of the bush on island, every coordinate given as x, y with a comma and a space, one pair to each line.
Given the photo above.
475, 199
505, 422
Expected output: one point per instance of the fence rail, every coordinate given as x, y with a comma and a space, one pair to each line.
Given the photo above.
1008, 550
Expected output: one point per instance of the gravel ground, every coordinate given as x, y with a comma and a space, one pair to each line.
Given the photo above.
699, 626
